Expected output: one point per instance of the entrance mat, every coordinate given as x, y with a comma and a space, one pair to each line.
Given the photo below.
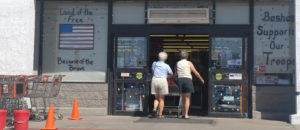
174, 120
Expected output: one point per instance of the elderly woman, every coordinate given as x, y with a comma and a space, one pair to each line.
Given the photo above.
159, 84
185, 83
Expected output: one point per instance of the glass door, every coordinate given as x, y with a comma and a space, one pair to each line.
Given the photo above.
130, 74
228, 76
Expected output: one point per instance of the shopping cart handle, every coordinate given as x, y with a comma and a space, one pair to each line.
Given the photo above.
62, 75
45, 79
33, 75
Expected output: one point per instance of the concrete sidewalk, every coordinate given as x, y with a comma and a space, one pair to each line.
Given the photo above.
143, 123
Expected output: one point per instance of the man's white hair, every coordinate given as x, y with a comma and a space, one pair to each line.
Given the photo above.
162, 56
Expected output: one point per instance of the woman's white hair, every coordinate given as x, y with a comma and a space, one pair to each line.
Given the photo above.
162, 56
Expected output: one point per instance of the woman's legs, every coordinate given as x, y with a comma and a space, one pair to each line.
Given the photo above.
185, 104
159, 100
161, 104
156, 102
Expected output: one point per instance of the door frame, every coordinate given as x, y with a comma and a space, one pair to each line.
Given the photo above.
115, 80
246, 48
146, 30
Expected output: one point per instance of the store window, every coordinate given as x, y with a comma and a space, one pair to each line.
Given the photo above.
75, 40
274, 53
131, 52
128, 12
227, 53
232, 12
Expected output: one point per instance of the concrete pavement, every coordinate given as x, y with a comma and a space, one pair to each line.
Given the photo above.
143, 123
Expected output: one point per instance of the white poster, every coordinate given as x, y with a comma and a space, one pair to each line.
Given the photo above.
273, 42
75, 42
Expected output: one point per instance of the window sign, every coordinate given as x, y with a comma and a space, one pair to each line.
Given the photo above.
131, 52
274, 61
75, 40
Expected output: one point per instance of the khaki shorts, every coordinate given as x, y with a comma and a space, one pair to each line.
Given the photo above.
159, 86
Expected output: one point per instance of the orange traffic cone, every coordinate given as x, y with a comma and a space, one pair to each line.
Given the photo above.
75, 112
50, 120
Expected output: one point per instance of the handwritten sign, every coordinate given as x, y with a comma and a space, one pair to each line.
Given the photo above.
77, 14
272, 38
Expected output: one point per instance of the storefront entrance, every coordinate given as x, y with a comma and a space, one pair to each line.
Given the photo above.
198, 47
221, 60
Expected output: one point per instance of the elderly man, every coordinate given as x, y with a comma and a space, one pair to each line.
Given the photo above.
159, 84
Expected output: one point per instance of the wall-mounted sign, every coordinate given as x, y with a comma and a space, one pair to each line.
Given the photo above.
273, 42
75, 40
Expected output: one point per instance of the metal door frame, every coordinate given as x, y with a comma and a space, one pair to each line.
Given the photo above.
115, 80
248, 47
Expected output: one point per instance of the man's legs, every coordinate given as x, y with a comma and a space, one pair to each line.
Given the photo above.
161, 104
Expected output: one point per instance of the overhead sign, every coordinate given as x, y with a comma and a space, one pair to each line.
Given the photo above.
178, 15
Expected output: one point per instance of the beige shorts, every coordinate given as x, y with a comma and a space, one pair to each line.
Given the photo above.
159, 86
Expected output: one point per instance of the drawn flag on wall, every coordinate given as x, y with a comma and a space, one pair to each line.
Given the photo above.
76, 36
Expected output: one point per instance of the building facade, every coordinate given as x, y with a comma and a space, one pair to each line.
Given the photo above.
244, 49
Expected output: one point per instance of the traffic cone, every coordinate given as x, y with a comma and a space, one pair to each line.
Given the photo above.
50, 120
75, 112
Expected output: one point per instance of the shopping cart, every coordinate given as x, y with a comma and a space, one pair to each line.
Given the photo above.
34, 92
52, 89
173, 99
42, 92
11, 95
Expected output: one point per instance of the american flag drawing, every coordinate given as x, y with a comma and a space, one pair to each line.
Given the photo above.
76, 36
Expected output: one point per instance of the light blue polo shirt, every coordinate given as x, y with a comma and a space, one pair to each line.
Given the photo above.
161, 69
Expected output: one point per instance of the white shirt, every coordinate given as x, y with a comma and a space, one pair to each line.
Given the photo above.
184, 69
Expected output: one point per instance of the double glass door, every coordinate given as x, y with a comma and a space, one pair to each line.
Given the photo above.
227, 68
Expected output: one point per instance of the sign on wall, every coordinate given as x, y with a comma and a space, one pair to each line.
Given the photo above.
75, 42
274, 53
274, 47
